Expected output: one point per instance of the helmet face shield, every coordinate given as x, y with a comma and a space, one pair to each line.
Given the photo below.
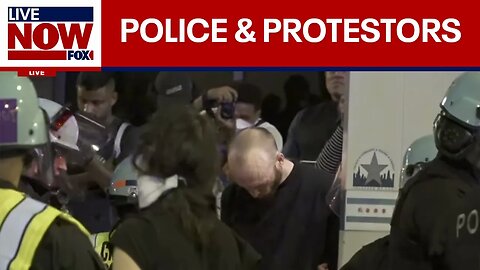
92, 137
48, 163
91, 131
41, 168
452, 139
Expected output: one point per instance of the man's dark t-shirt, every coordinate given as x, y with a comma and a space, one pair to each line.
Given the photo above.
290, 229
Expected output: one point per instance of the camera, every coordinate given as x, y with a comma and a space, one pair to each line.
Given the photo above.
227, 110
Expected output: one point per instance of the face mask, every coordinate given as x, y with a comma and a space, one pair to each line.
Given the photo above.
242, 124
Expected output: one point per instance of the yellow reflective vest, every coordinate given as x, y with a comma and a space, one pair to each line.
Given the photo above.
101, 243
23, 224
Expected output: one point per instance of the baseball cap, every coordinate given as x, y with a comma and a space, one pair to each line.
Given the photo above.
173, 88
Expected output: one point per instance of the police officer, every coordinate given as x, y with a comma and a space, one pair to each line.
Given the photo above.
39, 180
32, 234
427, 198
462, 249
374, 255
123, 195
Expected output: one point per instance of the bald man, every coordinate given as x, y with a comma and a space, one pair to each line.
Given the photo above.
277, 205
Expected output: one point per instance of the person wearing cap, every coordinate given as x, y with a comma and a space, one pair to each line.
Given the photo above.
170, 88
177, 88
173, 88
374, 255
33, 235
426, 200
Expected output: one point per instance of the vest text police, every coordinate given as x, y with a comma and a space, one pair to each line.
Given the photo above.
467, 223
49, 33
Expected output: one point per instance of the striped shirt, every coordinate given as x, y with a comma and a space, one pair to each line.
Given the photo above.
330, 157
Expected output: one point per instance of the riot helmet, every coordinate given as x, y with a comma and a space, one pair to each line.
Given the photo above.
123, 187
457, 126
420, 152
22, 121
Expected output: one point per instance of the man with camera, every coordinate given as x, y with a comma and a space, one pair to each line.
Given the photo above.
216, 103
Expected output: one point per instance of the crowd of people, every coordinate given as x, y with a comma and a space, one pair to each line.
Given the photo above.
215, 180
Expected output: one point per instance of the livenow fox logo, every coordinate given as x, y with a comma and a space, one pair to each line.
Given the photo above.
51, 33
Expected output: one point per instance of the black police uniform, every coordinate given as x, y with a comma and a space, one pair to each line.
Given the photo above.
63, 246
462, 248
373, 256
421, 210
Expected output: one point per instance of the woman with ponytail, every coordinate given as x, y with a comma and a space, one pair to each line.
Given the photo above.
177, 227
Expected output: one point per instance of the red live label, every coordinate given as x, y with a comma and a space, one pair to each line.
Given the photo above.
36, 73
